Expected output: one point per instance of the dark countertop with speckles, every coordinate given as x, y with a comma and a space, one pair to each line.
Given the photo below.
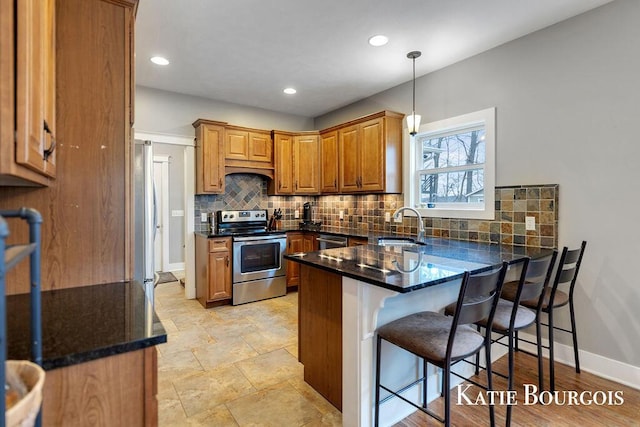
85, 323
408, 268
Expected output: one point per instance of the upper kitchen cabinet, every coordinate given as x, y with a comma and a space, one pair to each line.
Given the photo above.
27, 92
329, 162
306, 164
282, 183
248, 149
296, 163
209, 157
370, 154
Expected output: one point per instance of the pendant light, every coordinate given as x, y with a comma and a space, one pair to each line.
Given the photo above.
413, 120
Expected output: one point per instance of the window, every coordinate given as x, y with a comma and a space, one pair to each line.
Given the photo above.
450, 167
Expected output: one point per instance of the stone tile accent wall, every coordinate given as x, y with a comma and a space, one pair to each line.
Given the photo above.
366, 212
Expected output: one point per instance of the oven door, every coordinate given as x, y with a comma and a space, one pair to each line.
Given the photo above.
258, 257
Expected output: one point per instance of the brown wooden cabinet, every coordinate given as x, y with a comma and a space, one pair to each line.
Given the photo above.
309, 242
248, 145
296, 163
282, 183
329, 162
213, 270
209, 157
370, 154
27, 93
295, 243
306, 164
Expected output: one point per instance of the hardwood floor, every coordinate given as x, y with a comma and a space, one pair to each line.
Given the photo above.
625, 414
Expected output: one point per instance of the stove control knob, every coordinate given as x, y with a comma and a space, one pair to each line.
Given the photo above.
262, 215
225, 216
231, 216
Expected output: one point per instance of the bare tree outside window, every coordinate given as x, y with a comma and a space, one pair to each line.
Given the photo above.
452, 167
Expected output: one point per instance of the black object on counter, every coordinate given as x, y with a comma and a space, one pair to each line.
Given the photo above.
306, 213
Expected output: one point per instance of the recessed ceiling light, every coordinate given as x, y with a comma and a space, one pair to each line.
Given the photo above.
378, 40
159, 60
289, 91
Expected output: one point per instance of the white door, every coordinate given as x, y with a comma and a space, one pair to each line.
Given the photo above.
161, 183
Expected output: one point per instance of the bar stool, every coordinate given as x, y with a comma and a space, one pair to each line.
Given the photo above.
444, 340
553, 298
510, 316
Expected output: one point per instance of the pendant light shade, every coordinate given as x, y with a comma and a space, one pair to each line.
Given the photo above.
413, 120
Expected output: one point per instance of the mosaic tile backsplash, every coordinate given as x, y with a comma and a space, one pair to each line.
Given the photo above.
366, 212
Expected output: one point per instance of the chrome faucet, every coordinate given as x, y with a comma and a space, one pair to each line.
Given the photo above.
420, 223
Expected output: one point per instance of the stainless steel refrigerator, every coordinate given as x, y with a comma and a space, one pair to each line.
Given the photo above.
145, 216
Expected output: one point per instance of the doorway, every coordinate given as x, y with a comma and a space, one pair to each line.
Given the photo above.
161, 187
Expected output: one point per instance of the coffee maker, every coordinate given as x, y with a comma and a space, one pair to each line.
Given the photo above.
306, 213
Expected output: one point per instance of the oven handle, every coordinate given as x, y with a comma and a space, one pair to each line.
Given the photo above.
252, 238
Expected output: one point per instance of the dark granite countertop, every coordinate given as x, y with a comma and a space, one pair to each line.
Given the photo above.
408, 268
85, 323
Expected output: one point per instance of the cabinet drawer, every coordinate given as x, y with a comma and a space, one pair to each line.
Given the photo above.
217, 244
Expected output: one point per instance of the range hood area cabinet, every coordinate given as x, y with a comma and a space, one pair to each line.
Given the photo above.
370, 154
297, 163
27, 92
222, 149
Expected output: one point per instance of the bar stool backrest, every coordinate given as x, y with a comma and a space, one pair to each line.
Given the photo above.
537, 275
478, 296
567, 272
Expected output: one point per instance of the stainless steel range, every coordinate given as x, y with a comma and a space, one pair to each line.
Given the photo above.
259, 272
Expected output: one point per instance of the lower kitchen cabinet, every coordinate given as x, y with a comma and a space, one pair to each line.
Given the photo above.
213, 270
295, 243
298, 241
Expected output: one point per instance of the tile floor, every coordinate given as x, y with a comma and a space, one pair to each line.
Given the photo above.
234, 366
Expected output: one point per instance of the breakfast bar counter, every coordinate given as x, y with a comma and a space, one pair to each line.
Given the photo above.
345, 294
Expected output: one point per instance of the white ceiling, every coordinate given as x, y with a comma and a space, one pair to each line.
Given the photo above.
248, 51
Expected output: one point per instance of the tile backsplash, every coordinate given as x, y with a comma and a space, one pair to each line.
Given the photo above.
366, 212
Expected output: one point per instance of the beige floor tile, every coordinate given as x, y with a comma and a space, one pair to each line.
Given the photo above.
204, 391
185, 340
171, 413
315, 398
265, 341
271, 368
216, 417
223, 352
276, 406
179, 361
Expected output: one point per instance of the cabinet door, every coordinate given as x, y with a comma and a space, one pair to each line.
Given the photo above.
372, 162
295, 243
260, 147
219, 275
283, 147
236, 144
306, 164
34, 86
309, 242
329, 162
209, 159
348, 155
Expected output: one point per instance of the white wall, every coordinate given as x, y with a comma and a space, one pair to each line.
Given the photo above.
568, 108
171, 113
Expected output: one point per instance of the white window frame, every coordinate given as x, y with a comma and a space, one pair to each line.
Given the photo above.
486, 117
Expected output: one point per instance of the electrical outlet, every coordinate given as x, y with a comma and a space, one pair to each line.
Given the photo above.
296, 214
387, 217
397, 218
530, 223
203, 217
341, 215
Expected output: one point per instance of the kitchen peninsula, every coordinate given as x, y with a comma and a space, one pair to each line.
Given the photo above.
345, 294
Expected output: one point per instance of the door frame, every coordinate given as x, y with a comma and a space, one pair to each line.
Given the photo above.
163, 188
189, 201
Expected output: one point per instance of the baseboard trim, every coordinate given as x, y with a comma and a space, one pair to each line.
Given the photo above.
176, 266
596, 364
